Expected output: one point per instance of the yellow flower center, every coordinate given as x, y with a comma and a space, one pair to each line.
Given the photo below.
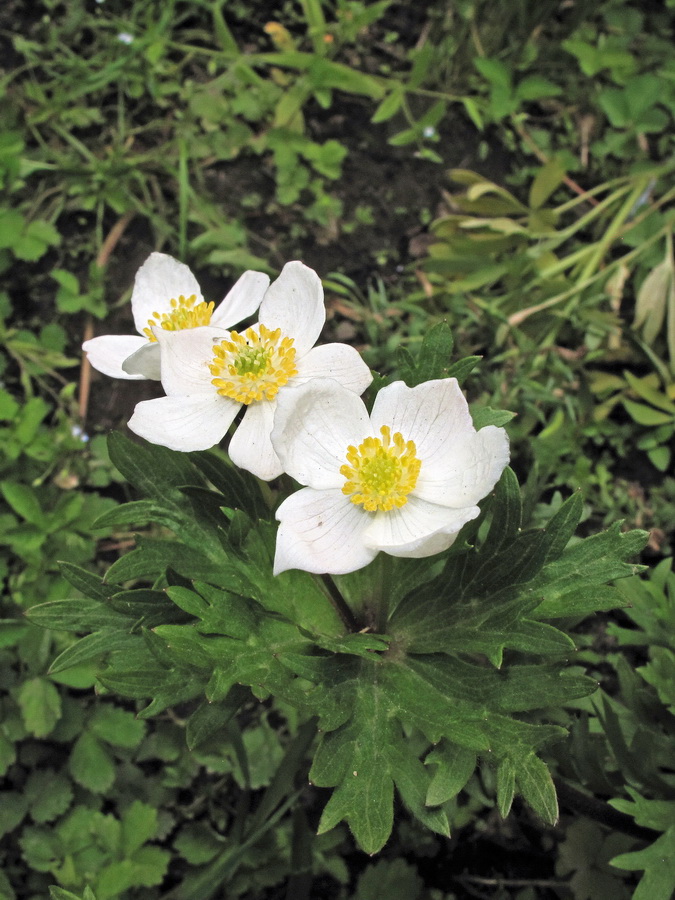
381, 473
253, 365
185, 313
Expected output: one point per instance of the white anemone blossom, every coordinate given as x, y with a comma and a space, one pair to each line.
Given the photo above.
167, 295
402, 480
208, 374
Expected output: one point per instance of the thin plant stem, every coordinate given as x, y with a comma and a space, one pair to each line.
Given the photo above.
340, 604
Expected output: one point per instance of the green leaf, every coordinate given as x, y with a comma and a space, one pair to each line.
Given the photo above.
389, 878
24, 502
323, 73
646, 415
646, 391
488, 416
48, 793
75, 615
537, 687
650, 305
89, 584
658, 863
455, 766
494, 71
91, 765
144, 605
209, 718
463, 367
151, 558
35, 240
12, 811
506, 786
166, 687
92, 646
153, 470
12, 631
434, 357
390, 105
117, 726
660, 457
57, 893
240, 490
536, 785
583, 568
548, 179
139, 824
367, 756
198, 843
146, 868
138, 512
534, 87
223, 33
11, 227
40, 705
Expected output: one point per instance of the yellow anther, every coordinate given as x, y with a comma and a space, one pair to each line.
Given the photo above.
185, 313
382, 472
254, 365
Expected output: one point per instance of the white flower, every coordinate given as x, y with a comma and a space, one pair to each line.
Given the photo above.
166, 295
208, 374
403, 480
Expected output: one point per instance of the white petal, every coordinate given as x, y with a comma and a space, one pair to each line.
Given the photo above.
159, 280
107, 353
471, 468
294, 303
434, 415
338, 361
430, 546
314, 425
242, 301
250, 446
409, 531
184, 423
186, 356
145, 362
321, 532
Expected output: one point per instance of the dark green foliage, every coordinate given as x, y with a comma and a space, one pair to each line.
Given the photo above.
463, 657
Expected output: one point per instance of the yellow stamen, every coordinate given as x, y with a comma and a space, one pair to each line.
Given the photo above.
254, 365
185, 313
381, 473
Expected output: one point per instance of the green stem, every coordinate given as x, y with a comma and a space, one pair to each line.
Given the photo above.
340, 604
602, 812
379, 603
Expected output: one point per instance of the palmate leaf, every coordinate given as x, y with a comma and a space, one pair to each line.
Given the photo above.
154, 471
658, 862
234, 641
295, 595
488, 597
658, 859
168, 479
469, 662
367, 706
238, 489
364, 759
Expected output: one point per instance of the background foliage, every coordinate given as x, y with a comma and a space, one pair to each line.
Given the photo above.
505, 168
